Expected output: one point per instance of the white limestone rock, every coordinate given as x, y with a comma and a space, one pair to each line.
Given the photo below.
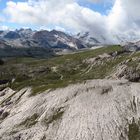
94, 110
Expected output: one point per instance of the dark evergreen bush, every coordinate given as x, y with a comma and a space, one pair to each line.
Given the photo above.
1, 62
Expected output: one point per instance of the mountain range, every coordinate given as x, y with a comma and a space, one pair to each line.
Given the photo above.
48, 39
12, 42
51, 39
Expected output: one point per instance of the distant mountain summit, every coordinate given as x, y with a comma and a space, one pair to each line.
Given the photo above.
57, 39
87, 39
90, 39
25, 33
12, 35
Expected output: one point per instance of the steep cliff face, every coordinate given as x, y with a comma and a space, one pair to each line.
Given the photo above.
93, 110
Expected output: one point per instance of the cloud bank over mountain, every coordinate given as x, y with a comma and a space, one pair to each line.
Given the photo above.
122, 19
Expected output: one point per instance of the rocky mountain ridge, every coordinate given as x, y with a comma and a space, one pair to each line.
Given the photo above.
42, 38
56, 41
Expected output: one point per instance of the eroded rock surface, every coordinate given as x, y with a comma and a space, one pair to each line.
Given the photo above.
94, 110
128, 69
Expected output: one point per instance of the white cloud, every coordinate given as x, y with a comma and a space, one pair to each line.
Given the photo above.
123, 18
60, 28
2, 19
63, 13
4, 27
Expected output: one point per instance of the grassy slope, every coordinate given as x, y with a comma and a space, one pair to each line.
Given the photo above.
38, 73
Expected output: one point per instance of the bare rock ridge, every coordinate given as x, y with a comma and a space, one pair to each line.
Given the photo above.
132, 46
93, 110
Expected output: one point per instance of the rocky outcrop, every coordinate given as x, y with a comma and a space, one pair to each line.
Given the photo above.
132, 46
93, 110
128, 69
125, 72
99, 59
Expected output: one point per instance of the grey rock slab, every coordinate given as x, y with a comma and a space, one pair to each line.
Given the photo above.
93, 110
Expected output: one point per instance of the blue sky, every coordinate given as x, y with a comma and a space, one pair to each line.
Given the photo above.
3, 3
100, 7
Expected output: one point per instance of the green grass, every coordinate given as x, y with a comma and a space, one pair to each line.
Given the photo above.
56, 116
134, 130
38, 73
30, 121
